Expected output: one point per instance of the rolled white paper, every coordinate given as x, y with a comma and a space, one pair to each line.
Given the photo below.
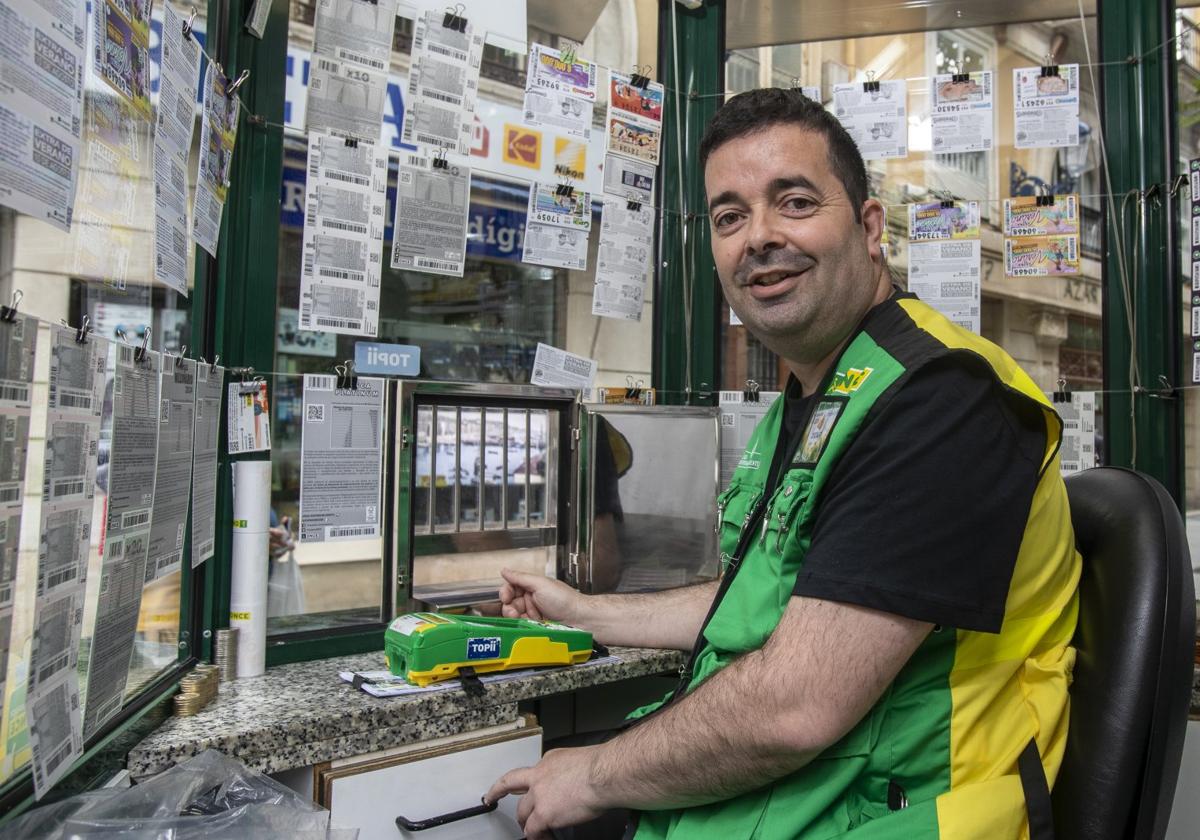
250, 563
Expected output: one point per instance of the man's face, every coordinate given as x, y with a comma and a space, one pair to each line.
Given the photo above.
794, 264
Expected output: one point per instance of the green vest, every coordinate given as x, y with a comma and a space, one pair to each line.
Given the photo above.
951, 726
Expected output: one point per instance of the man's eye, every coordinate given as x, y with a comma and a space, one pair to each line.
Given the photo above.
725, 219
798, 203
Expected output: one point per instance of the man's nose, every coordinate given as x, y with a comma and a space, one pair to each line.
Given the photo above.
764, 234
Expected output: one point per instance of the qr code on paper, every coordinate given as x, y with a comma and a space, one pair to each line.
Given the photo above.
315, 414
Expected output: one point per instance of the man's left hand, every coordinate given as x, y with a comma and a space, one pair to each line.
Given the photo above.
558, 791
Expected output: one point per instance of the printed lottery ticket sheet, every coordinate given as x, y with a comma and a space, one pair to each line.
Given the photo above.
74, 406
121, 49
341, 458
443, 84
556, 230
209, 388
218, 136
132, 465
875, 119
173, 473
559, 95
173, 129
249, 420
962, 115
344, 204
1046, 107
555, 367
625, 255
348, 76
944, 259
1078, 413
629, 178
634, 123
739, 418
41, 106
1043, 239
429, 230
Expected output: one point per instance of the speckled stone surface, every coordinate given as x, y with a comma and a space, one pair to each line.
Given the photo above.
303, 714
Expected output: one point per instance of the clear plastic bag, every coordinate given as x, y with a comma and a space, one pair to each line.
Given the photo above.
210, 797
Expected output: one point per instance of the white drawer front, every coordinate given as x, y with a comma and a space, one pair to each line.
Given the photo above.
428, 787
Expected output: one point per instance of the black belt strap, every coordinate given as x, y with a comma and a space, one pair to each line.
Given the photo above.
1037, 793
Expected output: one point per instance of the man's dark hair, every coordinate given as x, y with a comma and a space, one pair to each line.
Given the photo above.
764, 108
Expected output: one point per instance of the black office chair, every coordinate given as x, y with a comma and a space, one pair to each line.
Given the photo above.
1133, 676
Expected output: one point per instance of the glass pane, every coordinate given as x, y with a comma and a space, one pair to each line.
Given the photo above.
102, 270
484, 326
1050, 325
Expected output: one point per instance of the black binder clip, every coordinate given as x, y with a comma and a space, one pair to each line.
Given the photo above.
750, 394
81, 334
212, 368
961, 78
470, 682
564, 191
633, 393
567, 53
638, 79
633, 205
947, 201
1063, 394
454, 20
439, 160
187, 25
351, 142
139, 354
8, 314
1046, 200
179, 358
346, 378
1049, 70
871, 85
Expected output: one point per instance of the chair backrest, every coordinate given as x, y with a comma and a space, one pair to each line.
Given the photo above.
1133, 676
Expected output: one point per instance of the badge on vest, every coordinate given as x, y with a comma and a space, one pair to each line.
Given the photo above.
850, 381
816, 434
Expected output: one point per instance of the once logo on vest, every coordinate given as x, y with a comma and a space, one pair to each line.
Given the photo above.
485, 648
850, 381
750, 459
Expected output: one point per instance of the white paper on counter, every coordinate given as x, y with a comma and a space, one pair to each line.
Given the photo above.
1078, 450
249, 422
553, 367
218, 136
386, 684
173, 129
209, 389
443, 84
876, 120
1046, 108
41, 107
348, 74
429, 231
624, 259
962, 113
341, 456
739, 418
344, 205
173, 473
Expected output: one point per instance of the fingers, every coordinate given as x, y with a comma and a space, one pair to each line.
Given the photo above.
524, 809
514, 781
531, 609
524, 580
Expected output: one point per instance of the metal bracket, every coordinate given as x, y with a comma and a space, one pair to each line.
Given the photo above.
573, 566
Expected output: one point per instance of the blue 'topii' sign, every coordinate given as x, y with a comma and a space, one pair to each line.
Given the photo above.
373, 357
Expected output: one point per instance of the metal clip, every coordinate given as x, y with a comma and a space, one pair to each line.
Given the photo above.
347, 380
237, 83
179, 358
453, 19
638, 79
870, 85
1165, 391
439, 160
81, 334
187, 25
139, 355
8, 314
1049, 68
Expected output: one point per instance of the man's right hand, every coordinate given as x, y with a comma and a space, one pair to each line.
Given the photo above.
525, 595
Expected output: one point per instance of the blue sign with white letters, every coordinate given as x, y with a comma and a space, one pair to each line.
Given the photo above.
486, 648
374, 357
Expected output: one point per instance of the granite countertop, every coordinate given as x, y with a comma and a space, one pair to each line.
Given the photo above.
302, 714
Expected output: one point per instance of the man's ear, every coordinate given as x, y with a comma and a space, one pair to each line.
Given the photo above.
874, 219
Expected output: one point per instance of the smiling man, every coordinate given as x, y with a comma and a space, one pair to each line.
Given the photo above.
887, 652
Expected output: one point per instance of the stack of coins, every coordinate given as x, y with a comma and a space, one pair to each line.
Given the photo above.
196, 690
226, 653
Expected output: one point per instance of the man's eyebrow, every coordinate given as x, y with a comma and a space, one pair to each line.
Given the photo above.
727, 197
780, 184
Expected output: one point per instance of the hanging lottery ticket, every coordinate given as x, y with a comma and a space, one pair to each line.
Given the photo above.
173, 473
553, 367
635, 114
962, 112
559, 92
944, 259
352, 51
556, 233
1078, 412
1042, 236
218, 135
1046, 106
121, 49
875, 115
209, 387
629, 178
429, 231
443, 84
624, 259
173, 128
741, 412
41, 107
343, 235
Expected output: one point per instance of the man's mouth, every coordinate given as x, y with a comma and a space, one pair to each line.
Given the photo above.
770, 284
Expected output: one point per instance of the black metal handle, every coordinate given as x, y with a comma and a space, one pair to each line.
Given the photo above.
454, 816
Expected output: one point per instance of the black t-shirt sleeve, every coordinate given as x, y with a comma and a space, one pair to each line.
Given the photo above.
924, 515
